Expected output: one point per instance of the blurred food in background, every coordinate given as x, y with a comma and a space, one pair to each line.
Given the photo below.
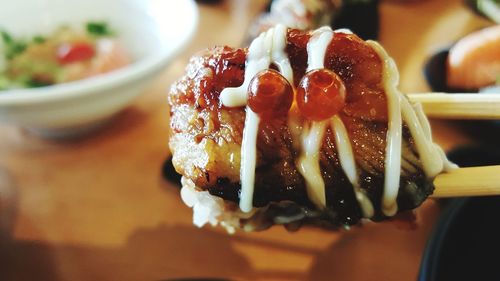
300, 14
474, 61
67, 54
360, 16
83, 39
487, 8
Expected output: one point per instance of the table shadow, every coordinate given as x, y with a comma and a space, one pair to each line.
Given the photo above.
40, 262
160, 253
389, 251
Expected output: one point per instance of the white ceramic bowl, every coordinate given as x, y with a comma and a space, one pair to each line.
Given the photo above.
153, 31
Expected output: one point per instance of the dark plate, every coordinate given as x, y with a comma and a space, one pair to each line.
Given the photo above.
435, 72
466, 242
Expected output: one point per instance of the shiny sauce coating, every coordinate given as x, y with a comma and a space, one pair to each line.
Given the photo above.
364, 118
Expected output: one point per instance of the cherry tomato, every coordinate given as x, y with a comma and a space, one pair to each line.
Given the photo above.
320, 94
75, 52
270, 94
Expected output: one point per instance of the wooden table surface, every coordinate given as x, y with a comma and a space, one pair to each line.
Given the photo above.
98, 209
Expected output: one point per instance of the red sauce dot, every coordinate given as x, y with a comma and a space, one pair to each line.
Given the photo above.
270, 94
320, 94
75, 52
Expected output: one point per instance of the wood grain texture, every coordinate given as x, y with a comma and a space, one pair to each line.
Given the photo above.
459, 106
473, 181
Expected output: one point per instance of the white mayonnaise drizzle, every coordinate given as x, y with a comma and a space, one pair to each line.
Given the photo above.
390, 77
316, 47
426, 126
348, 163
248, 160
308, 162
433, 159
268, 48
432, 163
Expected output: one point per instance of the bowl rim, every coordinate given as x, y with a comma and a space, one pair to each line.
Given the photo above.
131, 73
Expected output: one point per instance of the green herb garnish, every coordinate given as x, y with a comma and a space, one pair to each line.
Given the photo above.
38, 39
34, 83
6, 38
12, 47
99, 29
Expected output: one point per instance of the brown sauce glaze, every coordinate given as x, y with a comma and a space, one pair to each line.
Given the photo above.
360, 68
207, 75
277, 178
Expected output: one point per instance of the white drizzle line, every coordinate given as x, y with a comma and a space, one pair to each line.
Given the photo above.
343, 30
248, 160
390, 78
268, 48
258, 58
348, 163
279, 56
308, 163
432, 157
432, 163
316, 47
426, 127
448, 165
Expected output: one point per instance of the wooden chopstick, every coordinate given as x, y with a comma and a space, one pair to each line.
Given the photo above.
474, 181
459, 106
